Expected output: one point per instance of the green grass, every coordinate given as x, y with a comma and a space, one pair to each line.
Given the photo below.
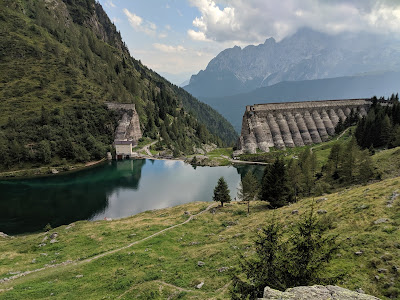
143, 142
160, 267
387, 162
221, 156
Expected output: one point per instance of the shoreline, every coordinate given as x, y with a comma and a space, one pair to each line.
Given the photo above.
43, 172
48, 171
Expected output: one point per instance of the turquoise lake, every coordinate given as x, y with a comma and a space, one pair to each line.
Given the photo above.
110, 190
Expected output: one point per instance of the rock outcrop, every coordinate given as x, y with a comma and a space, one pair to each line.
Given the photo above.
316, 292
129, 126
294, 124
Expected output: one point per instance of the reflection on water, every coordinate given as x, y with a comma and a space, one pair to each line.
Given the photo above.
112, 190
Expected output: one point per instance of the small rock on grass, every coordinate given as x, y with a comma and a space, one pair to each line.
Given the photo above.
381, 220
200, 285
200, 263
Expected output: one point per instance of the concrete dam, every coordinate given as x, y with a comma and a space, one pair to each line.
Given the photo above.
294, 124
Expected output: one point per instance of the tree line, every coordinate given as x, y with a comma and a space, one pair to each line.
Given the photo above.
381, 127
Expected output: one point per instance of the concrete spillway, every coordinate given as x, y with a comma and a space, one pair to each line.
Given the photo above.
294, 124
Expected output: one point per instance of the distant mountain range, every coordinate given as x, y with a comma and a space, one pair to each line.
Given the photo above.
349, 87
306, 55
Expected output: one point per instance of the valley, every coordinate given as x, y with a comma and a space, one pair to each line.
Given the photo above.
245, 183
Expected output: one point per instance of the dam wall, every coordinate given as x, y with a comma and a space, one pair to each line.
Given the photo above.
294, 124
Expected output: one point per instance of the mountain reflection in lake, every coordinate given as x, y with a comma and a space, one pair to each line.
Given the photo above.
112, 190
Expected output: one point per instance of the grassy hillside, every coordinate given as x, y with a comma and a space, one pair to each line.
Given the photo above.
60, 61
166, 265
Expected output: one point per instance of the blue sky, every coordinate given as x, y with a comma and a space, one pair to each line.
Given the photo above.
156, 32
177, 38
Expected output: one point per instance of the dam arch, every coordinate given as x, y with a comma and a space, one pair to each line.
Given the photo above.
292, 124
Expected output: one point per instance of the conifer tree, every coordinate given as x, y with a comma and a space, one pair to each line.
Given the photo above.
274, 186
221, 192
248, 189
298, 261
296, 179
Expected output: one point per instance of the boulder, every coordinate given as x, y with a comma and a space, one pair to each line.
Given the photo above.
381, 220
3, 235
321, 211
200, 285
321, 200
316, 292
200, 263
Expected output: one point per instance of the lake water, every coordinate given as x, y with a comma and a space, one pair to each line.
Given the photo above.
110, 190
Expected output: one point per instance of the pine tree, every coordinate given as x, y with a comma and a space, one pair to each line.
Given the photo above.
274, 186
221, 192
308, 165
248, 189
309, 252
295, 177
366, 169
386, 131
333, 164
279, 264
349, 165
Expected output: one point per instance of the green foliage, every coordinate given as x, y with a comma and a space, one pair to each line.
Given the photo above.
274, 184
281, 264
380, 128
72, 67
248, 189
221, 192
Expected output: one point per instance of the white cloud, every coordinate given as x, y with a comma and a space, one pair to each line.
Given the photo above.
110, 3
252, 21
139, 24
197, 35
169, 48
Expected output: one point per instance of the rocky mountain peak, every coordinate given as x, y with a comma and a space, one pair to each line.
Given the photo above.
305, 55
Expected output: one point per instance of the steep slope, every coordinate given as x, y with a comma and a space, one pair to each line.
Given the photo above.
304, 56
61, 61
351, 87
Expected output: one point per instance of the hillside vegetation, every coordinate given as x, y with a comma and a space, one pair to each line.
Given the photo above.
60, 62
366, 219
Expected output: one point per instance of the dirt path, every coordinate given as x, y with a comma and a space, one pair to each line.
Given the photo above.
79, 262
342, 133
147, 148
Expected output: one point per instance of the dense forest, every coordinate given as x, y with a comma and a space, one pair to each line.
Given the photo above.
381, 127
61, 61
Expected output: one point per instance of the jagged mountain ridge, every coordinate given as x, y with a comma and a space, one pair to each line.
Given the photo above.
306, 55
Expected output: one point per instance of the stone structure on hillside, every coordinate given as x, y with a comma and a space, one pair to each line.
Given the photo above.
316, 292
128, 131
293, 124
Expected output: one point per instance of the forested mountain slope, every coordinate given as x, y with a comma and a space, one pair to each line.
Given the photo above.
61, 60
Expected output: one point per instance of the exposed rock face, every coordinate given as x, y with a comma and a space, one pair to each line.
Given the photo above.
129, 126
316, 292
305, 55
293, 124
